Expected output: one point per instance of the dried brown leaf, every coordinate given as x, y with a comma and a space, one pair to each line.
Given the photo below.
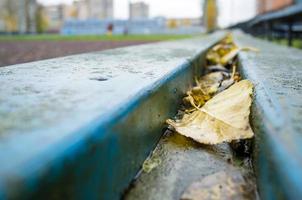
207, 86
229, 56
222, 119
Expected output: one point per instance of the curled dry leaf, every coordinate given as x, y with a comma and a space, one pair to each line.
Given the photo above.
233, 53
205, 88
223, 118
213, 57
229, 56
225, 52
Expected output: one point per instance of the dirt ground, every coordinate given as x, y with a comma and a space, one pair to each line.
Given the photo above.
15, 52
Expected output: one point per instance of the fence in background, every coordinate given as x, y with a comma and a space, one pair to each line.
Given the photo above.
285, 23
139, 26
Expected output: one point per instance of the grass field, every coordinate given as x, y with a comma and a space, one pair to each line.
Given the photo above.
296, 43
57, 37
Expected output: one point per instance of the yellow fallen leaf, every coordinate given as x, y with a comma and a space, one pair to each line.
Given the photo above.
233, 53
228, 39
223, 54
229, 56
232, 105
216, 47
213, 57
206, 87
223, 118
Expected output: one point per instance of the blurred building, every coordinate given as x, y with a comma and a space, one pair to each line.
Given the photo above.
139, 10
57, 14
100, 9
81, 10
264, 6
94, 9
81, 7
18, 16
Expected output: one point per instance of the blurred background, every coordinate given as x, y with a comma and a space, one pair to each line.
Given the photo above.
39, 29
90, 17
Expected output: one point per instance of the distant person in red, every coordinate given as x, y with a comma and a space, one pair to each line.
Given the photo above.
110, 28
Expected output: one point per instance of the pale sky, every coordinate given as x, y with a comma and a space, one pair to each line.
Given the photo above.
233, 11
230, 11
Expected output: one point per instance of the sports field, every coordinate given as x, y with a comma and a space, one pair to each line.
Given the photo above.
15, 49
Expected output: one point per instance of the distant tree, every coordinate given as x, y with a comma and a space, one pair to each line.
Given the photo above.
18, 15
172, 23
74, 13
210, 15
41, 20
9, 15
